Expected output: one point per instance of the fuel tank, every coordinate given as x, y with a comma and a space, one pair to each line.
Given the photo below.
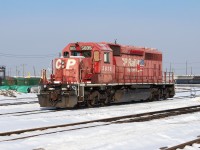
127, 95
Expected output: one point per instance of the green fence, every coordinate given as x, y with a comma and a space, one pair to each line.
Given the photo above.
21, 89
21, 81
19, 84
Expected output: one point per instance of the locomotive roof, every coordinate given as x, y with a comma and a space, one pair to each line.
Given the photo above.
128, 48
106, 46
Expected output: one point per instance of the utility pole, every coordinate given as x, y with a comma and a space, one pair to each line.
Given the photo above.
10, 72
173, 70
186, 67
23, 67
34, 71
16, 71
23, 70
170, 68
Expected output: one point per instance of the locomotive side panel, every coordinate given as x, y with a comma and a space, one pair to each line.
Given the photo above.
154, 67
129, 68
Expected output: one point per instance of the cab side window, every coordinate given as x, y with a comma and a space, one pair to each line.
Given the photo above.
106, 57
66, 54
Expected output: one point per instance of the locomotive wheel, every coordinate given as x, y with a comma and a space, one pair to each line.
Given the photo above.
171, 94
105, 102
154, 96
93, 99
157, 96
150, 99
166, 94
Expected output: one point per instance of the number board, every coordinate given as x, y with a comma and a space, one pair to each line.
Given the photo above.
73, 48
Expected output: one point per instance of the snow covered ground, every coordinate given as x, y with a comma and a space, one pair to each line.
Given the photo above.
148, 135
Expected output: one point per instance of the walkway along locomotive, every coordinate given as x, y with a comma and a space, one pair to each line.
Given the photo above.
95, 74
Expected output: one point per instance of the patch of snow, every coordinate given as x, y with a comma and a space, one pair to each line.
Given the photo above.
7, 93
149, 135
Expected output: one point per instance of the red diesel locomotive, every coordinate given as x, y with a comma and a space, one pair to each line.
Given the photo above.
96, 74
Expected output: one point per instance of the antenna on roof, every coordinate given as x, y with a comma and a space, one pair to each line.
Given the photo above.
115, 41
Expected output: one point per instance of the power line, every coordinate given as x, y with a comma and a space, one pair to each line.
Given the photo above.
26, 56
182, 63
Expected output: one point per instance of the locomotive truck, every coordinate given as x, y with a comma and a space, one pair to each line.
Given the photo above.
92, 74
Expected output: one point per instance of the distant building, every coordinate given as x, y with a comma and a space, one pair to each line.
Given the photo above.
187, 79
2, 73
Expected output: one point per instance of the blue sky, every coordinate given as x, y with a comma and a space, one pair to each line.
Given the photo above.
44, 27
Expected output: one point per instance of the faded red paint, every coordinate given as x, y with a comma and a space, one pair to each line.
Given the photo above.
133, 65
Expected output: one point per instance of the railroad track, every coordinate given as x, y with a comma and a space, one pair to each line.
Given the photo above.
19, 103
185, 91
181, 146
23, 113
188, 96
33, 102
106, 121
8, 99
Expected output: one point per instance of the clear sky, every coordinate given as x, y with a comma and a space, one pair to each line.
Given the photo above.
33, 32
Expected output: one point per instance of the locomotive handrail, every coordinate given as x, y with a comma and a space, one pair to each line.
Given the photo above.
168, 77
83, 79
143, 76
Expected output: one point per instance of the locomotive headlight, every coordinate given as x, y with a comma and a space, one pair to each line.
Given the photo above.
51, 89
45, 86
64, 89
68, 86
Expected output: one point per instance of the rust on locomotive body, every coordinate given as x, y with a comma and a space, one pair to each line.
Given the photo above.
95, 74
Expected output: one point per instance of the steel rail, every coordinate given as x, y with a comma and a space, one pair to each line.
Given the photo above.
21, 113
181, 146
119, 119
18, 98
46, 111
18, 103
185, 91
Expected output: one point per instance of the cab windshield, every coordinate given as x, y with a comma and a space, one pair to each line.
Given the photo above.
81, 53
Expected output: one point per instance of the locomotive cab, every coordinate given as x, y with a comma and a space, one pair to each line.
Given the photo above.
103, 69
87, 63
